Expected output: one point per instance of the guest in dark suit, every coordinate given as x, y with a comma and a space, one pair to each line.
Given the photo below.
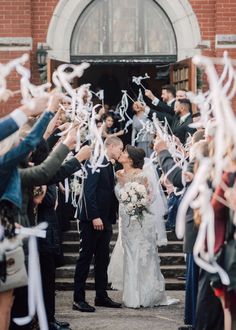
179, 123
168, 99
97, 215
182, 119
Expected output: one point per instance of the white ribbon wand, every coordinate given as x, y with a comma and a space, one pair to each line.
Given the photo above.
99, 95
224, 116
35, 296
5, 70
137, 80
96, 136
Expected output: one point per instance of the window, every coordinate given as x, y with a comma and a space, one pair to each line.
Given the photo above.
121, 27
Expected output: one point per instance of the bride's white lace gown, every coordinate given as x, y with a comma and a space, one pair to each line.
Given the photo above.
135, 265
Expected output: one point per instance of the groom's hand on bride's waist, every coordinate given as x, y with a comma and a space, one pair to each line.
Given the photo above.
98, 224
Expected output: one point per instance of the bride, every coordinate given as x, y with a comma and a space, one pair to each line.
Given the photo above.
135, 265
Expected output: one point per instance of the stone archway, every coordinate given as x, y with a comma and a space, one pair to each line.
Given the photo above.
66, 14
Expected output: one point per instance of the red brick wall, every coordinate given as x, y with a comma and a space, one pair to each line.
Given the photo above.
23, 18
216, 17
30, 18
15, 21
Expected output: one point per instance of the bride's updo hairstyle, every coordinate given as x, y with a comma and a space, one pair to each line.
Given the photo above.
137, 156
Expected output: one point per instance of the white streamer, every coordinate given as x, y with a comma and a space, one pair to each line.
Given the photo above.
137, 80
35, 296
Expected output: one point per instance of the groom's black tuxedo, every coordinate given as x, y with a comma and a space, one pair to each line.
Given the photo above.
99, 201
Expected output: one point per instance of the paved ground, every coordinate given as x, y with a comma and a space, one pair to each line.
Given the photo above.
159, 318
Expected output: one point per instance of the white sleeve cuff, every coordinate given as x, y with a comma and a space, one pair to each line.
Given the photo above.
19, 117
155, 101
147, 110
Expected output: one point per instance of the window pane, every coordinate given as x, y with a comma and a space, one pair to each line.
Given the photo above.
123, 27
159, 33
124, 24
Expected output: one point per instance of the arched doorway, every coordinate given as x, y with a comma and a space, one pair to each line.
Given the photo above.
66, 14
123, 38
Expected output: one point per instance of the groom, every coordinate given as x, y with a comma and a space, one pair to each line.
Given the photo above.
98, 213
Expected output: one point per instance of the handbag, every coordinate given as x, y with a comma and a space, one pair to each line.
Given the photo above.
15, 270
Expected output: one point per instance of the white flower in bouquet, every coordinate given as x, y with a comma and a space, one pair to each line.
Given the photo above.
143, 201
132, 193
130, 207
135, 185
134, 199
124, 196
141, 189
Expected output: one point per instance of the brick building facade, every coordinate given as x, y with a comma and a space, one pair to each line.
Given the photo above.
24, 24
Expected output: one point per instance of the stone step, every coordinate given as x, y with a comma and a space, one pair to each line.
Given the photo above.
166, 258
73, 235
67, 284
172, 246
168, 271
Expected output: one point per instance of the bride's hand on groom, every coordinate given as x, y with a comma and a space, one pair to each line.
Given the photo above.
98, 224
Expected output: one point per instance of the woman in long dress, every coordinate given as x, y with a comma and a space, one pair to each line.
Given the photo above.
135, 265
141, 138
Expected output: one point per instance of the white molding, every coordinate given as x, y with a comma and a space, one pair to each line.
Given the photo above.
225, 41
66, 13
15, 43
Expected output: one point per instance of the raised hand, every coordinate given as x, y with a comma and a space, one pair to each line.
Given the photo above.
84, 153
54, 101
149, 94
40, 104
70, 140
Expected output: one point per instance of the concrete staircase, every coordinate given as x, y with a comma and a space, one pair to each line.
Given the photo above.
172, 261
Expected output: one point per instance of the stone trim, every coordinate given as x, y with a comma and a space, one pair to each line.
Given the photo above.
15, 43
225, 41
66, 13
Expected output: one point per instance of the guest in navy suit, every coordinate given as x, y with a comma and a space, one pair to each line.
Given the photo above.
97, 215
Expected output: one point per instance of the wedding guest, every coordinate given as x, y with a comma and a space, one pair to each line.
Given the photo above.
175, 176
181, 94
140, 136
168, 99
10, 193
108, 128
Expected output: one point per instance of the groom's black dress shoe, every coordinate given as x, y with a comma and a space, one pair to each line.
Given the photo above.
83, 306
106, 302
56, 326
62, 323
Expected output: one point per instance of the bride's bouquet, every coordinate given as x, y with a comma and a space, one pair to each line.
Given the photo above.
134, 197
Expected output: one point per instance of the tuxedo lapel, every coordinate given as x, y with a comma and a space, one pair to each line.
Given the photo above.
109, 172
187, 121
176, 122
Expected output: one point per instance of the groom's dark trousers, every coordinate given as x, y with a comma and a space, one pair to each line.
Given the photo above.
99, 201
92, 243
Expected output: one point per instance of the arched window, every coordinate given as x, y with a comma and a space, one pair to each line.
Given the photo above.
123, 27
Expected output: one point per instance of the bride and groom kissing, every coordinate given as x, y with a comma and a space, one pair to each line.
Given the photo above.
135, 265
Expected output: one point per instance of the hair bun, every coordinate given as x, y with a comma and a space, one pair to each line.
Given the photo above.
137, 156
